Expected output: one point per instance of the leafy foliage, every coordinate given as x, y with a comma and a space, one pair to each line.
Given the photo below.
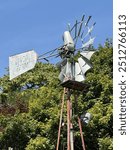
39, 143
99, 100
19, 129
35, 99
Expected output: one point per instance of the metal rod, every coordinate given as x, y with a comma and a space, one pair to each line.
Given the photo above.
51, 52
71, 129
68, 126
48, 52
80, 126
39, 58
80, 27
81, 134
68, 120
61, 114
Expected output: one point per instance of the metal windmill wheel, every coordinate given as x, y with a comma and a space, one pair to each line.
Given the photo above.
76, 53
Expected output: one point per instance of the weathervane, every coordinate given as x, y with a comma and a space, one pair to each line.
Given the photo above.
75, 54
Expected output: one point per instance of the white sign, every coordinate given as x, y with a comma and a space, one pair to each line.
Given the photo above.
20, 63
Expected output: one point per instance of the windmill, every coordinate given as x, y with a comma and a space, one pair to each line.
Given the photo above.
75, 54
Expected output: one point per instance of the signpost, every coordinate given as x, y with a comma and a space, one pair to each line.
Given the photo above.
21, 63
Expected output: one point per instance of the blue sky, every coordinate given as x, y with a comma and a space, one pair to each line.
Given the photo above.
39, 24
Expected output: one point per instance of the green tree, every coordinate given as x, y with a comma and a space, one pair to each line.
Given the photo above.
17, 132
35, 97
35, 90
98, 100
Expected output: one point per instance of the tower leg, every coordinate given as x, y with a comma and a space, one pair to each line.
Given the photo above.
70, 141
68, 124
61, 114
71, 129
81, 134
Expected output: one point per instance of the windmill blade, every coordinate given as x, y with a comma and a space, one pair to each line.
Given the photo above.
80, 27
66, 72
87, 54
89, 31
88, 43
86, 24
79, 76
76, 24
84, 64
69, 73
61, 63
62, 74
